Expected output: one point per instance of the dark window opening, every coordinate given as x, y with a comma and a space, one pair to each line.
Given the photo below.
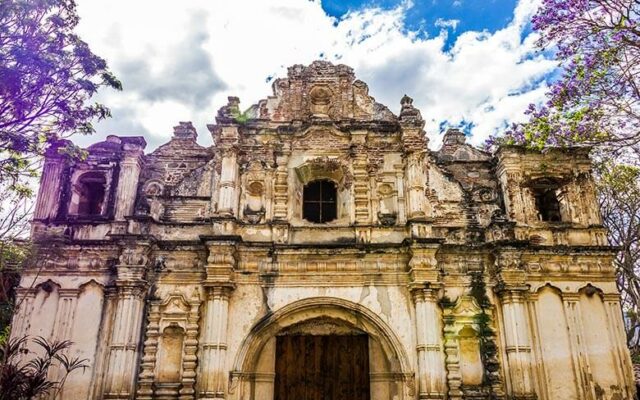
548, 205
319, 201
91, 188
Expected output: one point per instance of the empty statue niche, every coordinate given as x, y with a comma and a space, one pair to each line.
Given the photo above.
89, 194
254, 209
319, 201
547, 195
169, 362
470, 360
387, 213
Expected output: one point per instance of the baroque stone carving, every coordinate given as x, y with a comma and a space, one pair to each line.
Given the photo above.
199, 259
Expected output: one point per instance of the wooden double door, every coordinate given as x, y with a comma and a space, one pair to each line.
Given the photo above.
322, 367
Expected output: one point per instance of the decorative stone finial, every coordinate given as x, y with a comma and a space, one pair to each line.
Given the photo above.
408, 113
185, 130
227, 114
454, 136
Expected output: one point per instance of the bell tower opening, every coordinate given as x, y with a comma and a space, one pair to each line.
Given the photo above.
322, 367
548, 205
89, 195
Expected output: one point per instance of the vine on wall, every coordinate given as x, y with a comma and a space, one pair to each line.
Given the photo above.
486, 336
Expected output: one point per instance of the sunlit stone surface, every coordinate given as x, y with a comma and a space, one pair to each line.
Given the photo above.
471, 275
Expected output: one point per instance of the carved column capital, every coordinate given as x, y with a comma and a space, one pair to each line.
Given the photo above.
423, 266
229, 151
69, 293
23, 292
221, 292
570, 297
424, 293
512, 293
221, 264
611, 298
132, 267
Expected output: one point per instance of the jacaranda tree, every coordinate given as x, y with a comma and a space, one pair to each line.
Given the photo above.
47, 76
619, 190
596, 98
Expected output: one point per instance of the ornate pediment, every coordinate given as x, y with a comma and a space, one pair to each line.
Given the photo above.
321, 91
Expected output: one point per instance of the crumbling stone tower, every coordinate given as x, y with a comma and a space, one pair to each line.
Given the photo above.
320, 250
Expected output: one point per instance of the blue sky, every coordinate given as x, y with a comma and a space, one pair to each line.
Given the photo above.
466, 63
422, 16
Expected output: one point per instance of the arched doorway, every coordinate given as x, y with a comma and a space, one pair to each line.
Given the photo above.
321, 348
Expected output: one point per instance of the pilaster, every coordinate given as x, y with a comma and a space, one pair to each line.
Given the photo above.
219, 283
617, 334
131, 290
512, 291
281, 185
227, 204
130, 167
149, 357
415, 185
582, 370
431, 378
360, 178
190, 357
48, 202
24, 298
414, 143
518, 341
425, 283
67, 300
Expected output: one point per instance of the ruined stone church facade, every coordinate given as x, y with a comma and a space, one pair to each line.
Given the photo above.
320, 250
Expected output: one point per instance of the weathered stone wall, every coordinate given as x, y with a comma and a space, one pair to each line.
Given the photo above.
473, 275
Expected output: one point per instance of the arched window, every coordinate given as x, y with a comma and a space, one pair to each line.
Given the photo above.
319, 201
91, 193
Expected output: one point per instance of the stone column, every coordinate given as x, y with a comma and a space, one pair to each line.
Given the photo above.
281, 185
219, 284
617, 334
581, 368
67, 299
148, 363
48, 202
402, 214
425, 279
228, 195
21, 319
124, 343
360, 178
214, 343
227, 204
190, 357
415, 178
130, 166
431, 369
518, 342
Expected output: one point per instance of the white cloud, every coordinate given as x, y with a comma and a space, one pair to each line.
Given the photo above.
180, 60
447, 23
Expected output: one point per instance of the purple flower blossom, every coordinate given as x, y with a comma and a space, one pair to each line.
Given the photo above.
597, 98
